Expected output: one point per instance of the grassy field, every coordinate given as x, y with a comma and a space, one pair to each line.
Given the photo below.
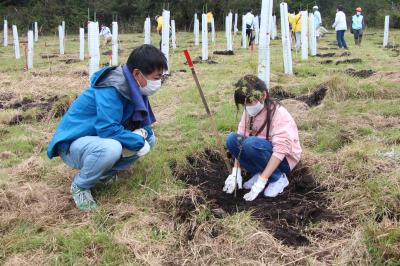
351, 144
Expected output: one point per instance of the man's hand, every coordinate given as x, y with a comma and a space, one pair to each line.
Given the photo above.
141, 132
232, 180
145, 150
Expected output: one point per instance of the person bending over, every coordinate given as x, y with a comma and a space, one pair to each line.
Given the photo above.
108, 127
266, 144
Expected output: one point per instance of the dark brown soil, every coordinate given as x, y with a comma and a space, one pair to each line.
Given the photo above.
313, 99
326, 55
286, 216
224, 53
15, 120
198, 60
345, 54
45, 56
279, 93
349, 61
326, 62
360, 73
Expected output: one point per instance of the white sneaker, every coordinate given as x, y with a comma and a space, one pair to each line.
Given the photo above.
274, 189
249, 183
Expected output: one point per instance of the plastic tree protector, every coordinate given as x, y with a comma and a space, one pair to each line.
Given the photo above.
386, 32
30, 50
114, 39
264, 42
229, 32
63, 27
36, 32
196, 30
273, 28
204, 38
173, 35
235, 27
16, 42
286, 41
61, 39
81, 44
304, 35
213, 30
244, 37
257, 29
93, 47
147, 31
5, 34
313, 36
165, 35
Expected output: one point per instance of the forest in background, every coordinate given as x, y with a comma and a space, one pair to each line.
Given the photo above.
131, 14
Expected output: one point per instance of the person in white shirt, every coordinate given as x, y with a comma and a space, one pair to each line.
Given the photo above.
106, 33
340, 26
249, 20
317, 20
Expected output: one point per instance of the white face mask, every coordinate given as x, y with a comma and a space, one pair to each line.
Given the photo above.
152, 86
358, 13
255, 109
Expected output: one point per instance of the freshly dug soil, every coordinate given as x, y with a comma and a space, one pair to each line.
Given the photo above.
326, 62
360, 73
313, 99
224, 53
326, 55
279, 93
345, 54
198, 60
349, 61
286, 216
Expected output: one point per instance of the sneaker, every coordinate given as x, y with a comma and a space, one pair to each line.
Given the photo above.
249, 183
83, 198
274, 189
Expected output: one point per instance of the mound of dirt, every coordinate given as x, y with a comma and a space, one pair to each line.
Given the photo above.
326, 62
279, 93
345, 54
349, 61
46, 56
286, 216
326, 55
224, 53
360, 73
312, 99
198, 60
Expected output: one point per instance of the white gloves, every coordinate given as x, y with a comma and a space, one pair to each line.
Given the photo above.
141, 132
256, 189
232, 180
145, 150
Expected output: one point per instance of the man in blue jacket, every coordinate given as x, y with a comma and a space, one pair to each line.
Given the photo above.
108, 126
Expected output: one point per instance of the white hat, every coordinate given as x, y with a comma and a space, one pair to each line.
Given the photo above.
315, 7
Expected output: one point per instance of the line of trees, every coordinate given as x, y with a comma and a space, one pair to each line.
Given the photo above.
132, 13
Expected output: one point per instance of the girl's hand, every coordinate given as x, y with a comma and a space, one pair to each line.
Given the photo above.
233, 179
256, 189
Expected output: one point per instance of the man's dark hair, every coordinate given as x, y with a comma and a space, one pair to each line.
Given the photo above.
147, 59
340, 8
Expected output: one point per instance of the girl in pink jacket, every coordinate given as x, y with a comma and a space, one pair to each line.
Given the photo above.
266, 144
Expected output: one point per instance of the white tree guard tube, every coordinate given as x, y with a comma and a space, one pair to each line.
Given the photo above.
304, 35
81, 44
244, 37
61, 39
165, 36
147, 31
257, 29
235, 27
16, 42
264, 42
286, 41
114, 40
30, 50
36, 32
274, 29
229, 32
196, 30
204, 37
213, 30
93, 47
5, 33
386, 32
63, 27
312, 35
173, 34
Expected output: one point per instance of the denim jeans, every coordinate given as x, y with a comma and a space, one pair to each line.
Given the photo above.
340, 39
97, 158
255, 155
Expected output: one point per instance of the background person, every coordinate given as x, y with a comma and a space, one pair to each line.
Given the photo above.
248, 19
106, 33
317, 21
266, 144
358, 26
340, 26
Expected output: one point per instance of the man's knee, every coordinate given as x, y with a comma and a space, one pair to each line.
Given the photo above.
111, 150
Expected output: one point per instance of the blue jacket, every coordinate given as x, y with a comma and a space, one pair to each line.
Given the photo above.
110, 107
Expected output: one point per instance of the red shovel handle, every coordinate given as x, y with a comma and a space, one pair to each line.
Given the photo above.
189, 60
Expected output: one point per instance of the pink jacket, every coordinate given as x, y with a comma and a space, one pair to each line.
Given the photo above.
283, 134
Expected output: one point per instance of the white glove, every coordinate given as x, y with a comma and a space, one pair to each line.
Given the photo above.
141, 132
145, 150
232, 180
256, 189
